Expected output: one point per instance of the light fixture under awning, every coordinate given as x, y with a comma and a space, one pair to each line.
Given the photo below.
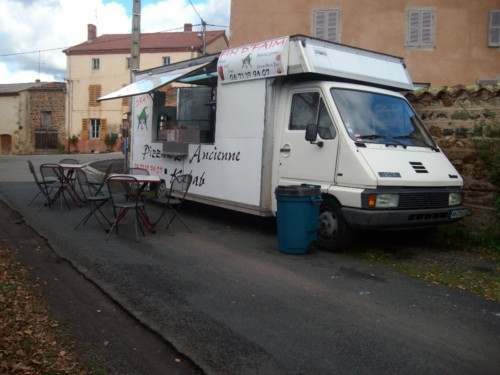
151, 82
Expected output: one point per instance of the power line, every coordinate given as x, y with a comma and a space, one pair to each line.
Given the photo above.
30, 52
198, 14
94, 43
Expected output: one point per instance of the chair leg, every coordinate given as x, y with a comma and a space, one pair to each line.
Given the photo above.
34, 198
121, 214
183, 222
178, 216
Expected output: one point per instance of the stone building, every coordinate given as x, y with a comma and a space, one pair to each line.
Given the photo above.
101, 65
443, 42
32, 117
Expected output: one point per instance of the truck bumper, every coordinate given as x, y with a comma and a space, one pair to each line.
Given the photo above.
364, 218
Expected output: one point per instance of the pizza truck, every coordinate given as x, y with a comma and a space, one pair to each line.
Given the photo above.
295, 110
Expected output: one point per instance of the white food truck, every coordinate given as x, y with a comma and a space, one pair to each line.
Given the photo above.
295, 110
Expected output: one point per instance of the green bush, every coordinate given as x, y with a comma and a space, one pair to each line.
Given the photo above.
110, 140
73, 140
460, 115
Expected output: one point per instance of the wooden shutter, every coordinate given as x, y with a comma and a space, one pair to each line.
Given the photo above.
326, 24
103, 129
413, 27
84, 135
494, 29
94, 93
420, 28
125, 101
427, 28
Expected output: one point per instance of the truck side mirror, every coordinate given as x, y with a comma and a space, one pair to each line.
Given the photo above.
312, 134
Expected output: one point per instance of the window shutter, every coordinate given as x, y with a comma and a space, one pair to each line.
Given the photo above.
327, 24
94, 94
494, 32
413, 27
320, 24
333, 26
427, 29
85, 129
103, 129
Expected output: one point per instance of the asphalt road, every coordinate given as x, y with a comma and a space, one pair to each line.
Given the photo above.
228, 300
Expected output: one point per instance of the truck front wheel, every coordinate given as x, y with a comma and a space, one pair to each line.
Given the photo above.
334, 233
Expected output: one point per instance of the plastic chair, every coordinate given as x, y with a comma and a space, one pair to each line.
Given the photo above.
44, 186
124, 193
173, 199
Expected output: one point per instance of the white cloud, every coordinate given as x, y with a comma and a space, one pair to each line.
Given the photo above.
7, 76
44, 24
169, 14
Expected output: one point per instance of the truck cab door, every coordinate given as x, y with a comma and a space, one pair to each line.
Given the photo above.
301, 161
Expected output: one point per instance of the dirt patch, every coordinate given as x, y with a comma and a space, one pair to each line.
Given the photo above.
29, 341
104, 336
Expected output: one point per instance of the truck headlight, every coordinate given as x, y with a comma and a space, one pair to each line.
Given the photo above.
383, 200
454, 199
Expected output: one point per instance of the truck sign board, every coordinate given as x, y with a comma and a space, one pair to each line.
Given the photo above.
265, 59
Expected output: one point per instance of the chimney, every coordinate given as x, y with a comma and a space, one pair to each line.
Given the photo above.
188, 27
91, 32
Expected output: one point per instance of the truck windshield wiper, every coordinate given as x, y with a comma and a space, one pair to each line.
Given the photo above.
369, 136
378, 136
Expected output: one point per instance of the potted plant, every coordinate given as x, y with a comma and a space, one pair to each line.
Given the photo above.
110, 140
73, 141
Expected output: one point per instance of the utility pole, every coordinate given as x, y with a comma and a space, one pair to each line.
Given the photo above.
204, 36
135, 52
135, 49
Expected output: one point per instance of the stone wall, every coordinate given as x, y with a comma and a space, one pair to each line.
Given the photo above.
49, 97
465, 122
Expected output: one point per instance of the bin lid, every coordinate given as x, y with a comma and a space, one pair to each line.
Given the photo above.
303, 190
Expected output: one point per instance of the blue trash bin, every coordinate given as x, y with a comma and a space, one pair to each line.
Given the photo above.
297, 217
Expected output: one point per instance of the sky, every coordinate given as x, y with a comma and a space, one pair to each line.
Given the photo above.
29, 25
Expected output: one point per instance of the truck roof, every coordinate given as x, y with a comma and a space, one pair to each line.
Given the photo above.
283, 56
299, 54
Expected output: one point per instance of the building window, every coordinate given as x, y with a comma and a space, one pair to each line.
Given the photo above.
46, 119
96, 63
327, 24
95, 128
420, 28
494, 29
166, 60
128, 62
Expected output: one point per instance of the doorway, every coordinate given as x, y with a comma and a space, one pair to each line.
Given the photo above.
5, 144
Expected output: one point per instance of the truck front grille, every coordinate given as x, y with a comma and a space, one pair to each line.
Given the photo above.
423, 200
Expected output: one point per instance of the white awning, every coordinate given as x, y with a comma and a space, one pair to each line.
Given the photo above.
151, 82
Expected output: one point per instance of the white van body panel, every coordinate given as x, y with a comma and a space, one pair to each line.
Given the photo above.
397, 160
240, 132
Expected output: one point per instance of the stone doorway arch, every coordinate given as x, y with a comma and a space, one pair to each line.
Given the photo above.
5, 144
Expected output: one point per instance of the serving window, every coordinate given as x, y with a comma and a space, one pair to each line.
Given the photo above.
185, 114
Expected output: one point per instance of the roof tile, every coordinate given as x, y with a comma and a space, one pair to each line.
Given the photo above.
150, 42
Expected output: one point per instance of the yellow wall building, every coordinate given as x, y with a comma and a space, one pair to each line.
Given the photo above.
444, 42
101, 65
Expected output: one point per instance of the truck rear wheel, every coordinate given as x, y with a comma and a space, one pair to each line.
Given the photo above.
334, 233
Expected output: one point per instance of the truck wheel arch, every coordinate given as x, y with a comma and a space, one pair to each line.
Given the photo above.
333, 233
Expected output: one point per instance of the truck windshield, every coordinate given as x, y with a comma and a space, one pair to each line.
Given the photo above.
379, 118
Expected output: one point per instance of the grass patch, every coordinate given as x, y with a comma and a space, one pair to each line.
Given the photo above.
450, 256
